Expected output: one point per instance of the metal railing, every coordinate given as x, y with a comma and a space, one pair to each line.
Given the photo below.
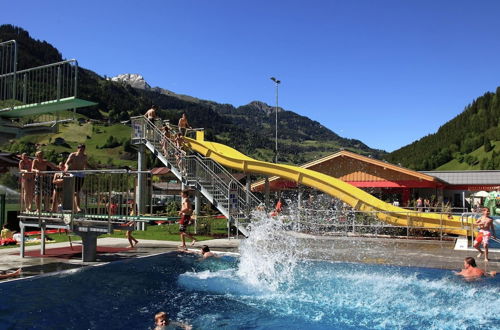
8, 64
350, 222
218, 185
91, 197
51, 82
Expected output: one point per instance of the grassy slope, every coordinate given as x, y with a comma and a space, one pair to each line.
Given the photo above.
93, 135
166, 232
455, 165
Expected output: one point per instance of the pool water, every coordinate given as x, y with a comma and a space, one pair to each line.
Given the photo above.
215, 294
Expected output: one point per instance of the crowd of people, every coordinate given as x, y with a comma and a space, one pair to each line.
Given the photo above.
45, 187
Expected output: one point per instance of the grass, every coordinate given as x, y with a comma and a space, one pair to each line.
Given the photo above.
93, 135
207, 229
479, 153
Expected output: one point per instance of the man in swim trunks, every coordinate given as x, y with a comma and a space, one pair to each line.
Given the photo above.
77, 161
185, 220
471, 270
486, 231
151, 113
183, 124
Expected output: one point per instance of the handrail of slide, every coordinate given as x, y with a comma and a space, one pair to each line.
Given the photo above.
349, 194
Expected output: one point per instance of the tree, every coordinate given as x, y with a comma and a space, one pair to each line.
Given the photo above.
487, 145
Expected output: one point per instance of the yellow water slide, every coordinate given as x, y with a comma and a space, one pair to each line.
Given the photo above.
349, 194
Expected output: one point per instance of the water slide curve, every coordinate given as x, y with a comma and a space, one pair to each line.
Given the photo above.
349, 194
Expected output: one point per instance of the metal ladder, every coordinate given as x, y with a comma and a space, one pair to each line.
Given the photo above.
218, 186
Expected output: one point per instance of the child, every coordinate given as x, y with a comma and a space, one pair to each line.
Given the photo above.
162, 322
58, 181
185, 220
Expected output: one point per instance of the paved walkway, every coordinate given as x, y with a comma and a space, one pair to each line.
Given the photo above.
401, 252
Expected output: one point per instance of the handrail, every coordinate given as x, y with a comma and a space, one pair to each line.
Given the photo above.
222, 180
41, 67
40, 84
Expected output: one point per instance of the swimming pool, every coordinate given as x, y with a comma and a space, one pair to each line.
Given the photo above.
268, 286
212, 295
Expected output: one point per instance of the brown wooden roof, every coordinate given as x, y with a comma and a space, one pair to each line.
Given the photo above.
351, 167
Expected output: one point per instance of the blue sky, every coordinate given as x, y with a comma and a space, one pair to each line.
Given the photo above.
386, 72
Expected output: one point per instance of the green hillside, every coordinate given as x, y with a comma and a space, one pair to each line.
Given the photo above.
477, 160
468, 141
106, 145
249, 129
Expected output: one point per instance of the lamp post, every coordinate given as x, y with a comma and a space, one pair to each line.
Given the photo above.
277, 82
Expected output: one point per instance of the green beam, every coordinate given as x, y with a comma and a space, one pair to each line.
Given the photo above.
45, 107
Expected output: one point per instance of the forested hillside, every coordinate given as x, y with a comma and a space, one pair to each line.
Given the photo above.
248, 129
468, 140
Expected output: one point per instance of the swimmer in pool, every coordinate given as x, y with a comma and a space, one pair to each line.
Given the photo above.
472, 271
204, 252
162, 322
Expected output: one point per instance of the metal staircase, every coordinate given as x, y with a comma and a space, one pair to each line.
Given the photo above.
219, 186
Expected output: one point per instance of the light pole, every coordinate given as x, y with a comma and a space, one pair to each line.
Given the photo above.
277, 82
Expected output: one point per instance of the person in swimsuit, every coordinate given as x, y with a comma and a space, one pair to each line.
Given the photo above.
43, 181
27, 181
151, 113
185, 220
4, 274
179, 152
77, 161
183, 124
165, 139
486, 231
58, 187
472, 271
162, 322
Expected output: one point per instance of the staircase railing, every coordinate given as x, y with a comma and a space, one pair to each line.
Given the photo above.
217, 184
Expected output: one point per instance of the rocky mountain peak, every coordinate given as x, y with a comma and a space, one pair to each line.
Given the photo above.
132, 79
261, 106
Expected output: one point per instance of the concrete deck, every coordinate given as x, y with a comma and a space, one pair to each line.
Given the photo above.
401, 252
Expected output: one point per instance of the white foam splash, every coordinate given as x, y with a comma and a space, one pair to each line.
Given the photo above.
268, 256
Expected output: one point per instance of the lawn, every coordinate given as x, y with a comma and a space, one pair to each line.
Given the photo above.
207, 229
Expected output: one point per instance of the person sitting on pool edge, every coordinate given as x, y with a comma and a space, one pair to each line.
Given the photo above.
472, 271
162, 322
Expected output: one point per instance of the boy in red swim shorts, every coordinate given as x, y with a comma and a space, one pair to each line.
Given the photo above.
486, 231
185, 220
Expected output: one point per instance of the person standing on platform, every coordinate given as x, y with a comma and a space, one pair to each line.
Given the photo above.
27, 181
77, 161
43, 181
183, 124
151, 113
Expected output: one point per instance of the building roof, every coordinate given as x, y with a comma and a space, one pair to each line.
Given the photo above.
467, 177
378, 170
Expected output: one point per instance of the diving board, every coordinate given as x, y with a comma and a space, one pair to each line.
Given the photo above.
45, 107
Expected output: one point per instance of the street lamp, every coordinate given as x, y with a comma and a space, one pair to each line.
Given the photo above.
277, 82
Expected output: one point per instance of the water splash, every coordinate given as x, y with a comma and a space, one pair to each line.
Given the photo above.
269, 255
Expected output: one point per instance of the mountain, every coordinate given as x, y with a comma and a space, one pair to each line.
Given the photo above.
471, 140
134, 80
249, 128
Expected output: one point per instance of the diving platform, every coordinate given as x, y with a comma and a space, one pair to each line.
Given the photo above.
43, 90
106, 202
51, 106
